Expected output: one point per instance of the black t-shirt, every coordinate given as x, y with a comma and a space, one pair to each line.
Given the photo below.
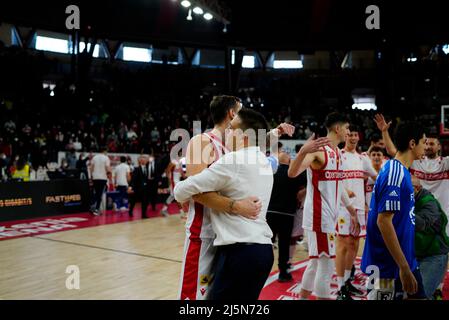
283, 197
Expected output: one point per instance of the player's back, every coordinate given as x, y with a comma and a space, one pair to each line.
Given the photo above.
393, 192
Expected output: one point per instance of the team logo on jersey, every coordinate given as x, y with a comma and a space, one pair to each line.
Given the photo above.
342, 221
331, 237
204, 280
332, 155
393, 194
203, 291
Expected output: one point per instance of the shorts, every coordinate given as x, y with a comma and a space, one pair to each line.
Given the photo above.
320, 244
391, 289
344, 223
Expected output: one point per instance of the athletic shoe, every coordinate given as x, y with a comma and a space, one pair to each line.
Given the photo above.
285, 277
351, 289
164, 213
2, 228
438, 295
95, 212
343, 294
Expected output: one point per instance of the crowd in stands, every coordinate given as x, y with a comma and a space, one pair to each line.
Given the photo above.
128, 110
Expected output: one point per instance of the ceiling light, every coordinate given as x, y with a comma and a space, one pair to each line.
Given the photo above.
198, 10
186, 3
189, 16
208, 16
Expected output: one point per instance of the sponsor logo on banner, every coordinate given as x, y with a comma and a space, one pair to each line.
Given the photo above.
40, 227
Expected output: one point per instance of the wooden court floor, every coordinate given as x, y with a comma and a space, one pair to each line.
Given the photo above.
131, 260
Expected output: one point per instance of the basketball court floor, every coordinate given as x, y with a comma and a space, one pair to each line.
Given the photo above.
117, 257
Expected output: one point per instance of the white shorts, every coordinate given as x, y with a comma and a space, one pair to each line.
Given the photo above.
320, 244
198, 269
344, 223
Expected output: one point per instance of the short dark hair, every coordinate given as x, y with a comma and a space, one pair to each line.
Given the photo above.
375, 137
298, 147
354, 128
377, 149
405, 132
103, 149
220, 105
254, 120
122, 159
335, 118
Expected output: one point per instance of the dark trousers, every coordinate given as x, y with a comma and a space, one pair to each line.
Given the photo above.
99, 189
143, 199
241, 271
152, 193
123, 196
282, 226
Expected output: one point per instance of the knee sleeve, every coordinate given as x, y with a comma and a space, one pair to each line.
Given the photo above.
324, 274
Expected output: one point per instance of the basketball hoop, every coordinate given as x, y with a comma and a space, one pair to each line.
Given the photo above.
444, 124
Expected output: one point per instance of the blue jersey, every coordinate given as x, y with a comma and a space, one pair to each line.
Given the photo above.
393, 192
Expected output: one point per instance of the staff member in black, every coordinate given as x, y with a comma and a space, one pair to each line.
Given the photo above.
282, 210
140, 186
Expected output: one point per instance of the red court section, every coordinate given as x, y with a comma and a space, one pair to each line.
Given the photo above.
275, 290
39, 226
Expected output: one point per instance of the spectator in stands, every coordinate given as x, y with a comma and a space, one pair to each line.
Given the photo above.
100, 166
21, 170
39, 174
71, 159
3, 167
122, 179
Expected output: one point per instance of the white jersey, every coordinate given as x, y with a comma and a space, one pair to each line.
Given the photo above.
356, 167
199, 215
100, 162
198, 272
434, 176
176, 173
369, 187
323, 195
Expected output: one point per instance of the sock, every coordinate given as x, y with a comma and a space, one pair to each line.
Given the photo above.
341, 282
347, 275
440, 287
164, 207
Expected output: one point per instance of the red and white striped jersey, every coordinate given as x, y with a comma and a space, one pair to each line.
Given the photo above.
434, 176
324, 187
198, 224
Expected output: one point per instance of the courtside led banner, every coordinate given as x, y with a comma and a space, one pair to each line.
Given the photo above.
21, 200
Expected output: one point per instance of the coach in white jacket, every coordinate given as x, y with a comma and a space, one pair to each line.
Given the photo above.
245, 252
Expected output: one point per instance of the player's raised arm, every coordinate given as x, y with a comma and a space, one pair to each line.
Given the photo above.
383, 126
306, 156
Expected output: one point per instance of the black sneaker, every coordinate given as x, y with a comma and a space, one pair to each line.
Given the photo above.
352, 277
343, 294
438, 295
285, 277
351, 289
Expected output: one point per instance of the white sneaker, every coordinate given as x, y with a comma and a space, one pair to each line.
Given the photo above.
2, 228
164, 213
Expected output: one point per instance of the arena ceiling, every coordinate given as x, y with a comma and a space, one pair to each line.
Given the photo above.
255, 24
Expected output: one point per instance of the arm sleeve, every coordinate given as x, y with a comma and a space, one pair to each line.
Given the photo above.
274, 163
214, 178
389, 198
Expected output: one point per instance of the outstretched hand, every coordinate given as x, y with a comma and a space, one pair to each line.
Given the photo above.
285, 128
313, 145
382, 125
